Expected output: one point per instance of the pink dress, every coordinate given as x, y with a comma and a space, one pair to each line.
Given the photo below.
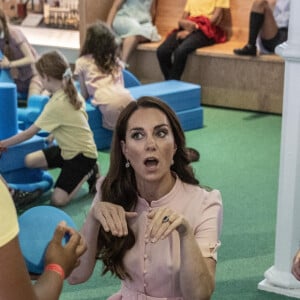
106, 91
154, 267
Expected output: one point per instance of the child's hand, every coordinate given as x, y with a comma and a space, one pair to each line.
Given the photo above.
2, 147
4, 63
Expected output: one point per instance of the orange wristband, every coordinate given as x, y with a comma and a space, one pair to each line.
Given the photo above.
57, 269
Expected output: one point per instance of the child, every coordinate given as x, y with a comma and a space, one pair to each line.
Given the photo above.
133, 22
198, 27
19, 58
99, 72
64, 116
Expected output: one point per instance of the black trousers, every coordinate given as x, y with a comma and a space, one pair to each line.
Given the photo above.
172, 53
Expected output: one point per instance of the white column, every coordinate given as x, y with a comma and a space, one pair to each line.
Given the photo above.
278, 278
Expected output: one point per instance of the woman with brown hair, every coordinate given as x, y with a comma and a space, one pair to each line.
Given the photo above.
151, 223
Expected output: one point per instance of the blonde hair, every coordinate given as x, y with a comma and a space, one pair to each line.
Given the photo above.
55, 65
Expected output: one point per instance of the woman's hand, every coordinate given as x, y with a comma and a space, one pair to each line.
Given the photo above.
163, 221
296, 266
112, 217
66, 256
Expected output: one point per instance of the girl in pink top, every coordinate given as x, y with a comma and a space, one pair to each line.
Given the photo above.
99, 71
151, 223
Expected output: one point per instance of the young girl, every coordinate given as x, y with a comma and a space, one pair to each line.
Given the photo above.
132, 20
99, 72
64, 116
198, 27
19, 58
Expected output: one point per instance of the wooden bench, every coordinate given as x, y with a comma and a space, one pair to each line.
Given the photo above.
227, 80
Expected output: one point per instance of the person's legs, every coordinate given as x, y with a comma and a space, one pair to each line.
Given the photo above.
193, 41
36, 159
74, 173
261, 22
129, 44
164, 54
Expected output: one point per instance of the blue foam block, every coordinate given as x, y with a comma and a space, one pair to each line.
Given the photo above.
129, 79
13, 158
26, 179
8, 109
102, 138
95, 116
37, 226
35, 105
191, 119
179, 95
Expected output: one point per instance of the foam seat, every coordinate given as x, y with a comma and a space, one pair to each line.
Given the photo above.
13, 158
179, 95
37, 226
102, 136
27, 115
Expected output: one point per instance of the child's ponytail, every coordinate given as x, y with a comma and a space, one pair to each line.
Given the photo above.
55, 65
70, 89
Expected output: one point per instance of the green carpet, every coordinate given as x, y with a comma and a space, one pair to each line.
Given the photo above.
240, 157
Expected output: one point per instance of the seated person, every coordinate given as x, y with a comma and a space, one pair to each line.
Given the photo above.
132, 20
100, 73
19, 57
269, 21
197, 28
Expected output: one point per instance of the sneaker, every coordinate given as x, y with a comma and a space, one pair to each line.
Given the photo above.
192, 154
92, 179
247, 50
23, 199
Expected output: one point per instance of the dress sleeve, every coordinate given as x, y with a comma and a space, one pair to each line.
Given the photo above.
208, 230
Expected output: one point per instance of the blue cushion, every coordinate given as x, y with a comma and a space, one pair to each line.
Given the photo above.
179, 95
37, 226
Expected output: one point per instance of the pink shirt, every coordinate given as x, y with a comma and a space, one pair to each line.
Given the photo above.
154, 267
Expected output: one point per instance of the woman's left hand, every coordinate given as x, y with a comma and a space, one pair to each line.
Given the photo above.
163, 221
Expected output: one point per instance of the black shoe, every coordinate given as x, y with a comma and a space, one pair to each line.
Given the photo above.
247, 50
192, 154
92, 180
22, 199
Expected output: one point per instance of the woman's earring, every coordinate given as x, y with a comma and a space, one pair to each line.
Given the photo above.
127, 164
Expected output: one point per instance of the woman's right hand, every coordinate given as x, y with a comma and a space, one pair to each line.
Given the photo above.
67, 256
112, 217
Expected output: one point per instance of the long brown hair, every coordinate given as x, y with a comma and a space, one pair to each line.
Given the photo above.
55, 65
7, 51
119, 186
100, 42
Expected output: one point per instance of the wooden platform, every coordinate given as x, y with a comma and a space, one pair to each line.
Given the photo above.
251, 83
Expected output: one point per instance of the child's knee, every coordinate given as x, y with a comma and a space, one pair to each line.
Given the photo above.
59, 199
